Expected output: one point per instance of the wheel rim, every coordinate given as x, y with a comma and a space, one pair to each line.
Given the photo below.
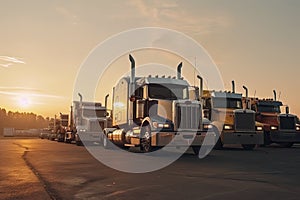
146, 140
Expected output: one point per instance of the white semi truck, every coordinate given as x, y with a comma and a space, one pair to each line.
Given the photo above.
89, 119
151, 112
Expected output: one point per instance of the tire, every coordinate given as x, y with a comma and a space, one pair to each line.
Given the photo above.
196, 149
145, 139
248, 146
267, 139
79, 143
219, 143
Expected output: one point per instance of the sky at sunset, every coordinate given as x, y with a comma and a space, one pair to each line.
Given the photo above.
43, 44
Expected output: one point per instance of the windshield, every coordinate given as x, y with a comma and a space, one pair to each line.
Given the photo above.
270, 108
230, 103
168, 91
94, 113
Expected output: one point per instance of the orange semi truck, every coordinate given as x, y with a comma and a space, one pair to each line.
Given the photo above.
280, 128
235, 124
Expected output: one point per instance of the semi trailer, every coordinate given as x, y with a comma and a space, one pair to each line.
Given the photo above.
235, 125
152, 112
281, 128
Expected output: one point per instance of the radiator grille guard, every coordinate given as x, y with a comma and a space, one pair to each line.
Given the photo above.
287, 122
187, 116
244, 121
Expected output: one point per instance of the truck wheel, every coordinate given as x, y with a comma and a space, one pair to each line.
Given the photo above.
196, 149
248, 146
145, 140
78, 143
267, 139
219, 143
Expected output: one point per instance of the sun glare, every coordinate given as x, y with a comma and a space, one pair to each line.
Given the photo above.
24, 101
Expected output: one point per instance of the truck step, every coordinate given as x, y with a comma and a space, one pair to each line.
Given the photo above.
129, 145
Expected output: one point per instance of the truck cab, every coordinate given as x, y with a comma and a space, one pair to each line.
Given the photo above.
235, 124
281, 128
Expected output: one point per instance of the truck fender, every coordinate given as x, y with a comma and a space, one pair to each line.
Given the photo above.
148, 121
218, 126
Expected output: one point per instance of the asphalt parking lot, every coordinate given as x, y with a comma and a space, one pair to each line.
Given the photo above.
43, 169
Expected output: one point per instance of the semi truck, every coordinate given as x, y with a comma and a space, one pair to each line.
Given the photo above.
62, 127
234, 124
280, 128
89, 118
152, 112
53, 126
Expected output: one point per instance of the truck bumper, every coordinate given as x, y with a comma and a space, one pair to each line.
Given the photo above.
88, 136
183, 138
242, 138
285, 136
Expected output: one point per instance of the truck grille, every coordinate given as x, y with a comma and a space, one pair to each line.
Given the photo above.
94, 126
188, 116
244, 122
287, 122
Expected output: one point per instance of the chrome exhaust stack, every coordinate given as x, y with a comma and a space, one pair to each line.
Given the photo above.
233, 86
200, 86
105, 102
179, 70
247, 101
274, 92
80, 98
132, 77
80, 108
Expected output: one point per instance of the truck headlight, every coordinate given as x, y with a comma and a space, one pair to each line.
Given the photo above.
207, 126
297, 128
259, 128
228, 127
161, 125
274, 128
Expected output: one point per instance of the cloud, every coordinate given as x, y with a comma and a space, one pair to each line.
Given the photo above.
174, 16
6, 65
67, 14
10, 61
19, 91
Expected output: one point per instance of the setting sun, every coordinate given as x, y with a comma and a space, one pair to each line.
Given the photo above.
24, 101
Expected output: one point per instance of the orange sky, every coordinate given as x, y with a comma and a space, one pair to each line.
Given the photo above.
43, 44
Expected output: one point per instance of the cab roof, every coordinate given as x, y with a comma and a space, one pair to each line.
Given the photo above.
161, 80
221, 94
